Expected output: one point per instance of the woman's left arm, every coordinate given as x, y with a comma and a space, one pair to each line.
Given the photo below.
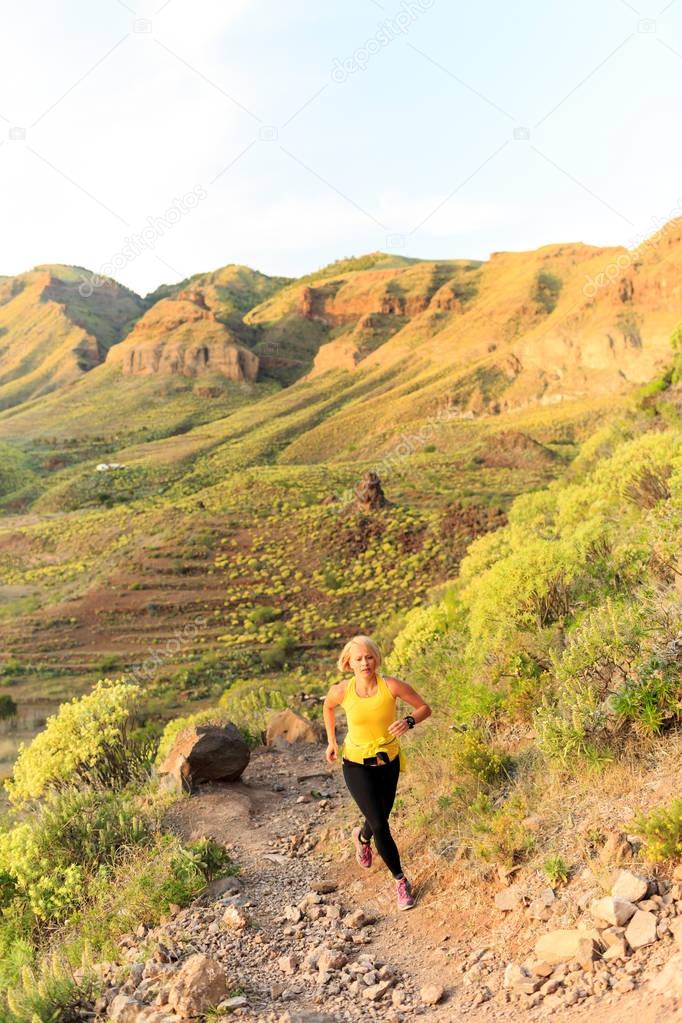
402, 691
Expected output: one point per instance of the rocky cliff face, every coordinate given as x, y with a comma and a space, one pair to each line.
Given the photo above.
558, 323
182, 335
403, 292
335, 322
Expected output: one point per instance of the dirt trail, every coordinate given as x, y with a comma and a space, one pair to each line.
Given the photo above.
281, 846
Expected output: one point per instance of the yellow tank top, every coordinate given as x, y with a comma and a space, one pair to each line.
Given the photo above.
368, 719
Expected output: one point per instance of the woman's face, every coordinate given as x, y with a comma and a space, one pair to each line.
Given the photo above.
362, 660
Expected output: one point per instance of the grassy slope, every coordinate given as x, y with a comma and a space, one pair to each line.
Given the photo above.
50, 335
193, 463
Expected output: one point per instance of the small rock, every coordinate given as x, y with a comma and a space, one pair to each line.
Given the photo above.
509, 898
237, 1002
613, 909
324, 887
628, 886
330, 960
561, 945
234, 918
288, 964
355, 919
618, 950
376, 991
220, 885
124, 1009
641, 930
612, 935
199, 983
484, 995
431, 994
515, 975
541, 969
616, 849
550, 986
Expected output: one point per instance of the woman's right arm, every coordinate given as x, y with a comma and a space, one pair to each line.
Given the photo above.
331, 702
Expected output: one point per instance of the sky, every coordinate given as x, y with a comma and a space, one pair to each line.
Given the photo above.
154, 139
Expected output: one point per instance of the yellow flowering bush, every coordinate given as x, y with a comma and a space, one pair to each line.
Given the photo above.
422, 626
77, 740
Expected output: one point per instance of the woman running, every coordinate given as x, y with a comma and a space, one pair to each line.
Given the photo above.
371, 753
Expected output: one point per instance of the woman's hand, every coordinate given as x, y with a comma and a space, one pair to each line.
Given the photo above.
332, 753
399, 727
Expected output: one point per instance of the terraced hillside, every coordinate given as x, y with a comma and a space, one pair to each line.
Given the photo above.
222, 538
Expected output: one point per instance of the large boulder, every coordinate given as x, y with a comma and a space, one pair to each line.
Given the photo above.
206, 753
288, 726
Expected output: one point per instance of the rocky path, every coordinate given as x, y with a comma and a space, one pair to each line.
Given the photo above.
303, 936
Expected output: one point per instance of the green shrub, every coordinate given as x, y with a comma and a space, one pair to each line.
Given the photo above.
661, 830
87, 736
51, 994
650, 698
676, 345
422, 626
524, 680
500, 835
474, 756
249, 705
48, 859
12, 666
262, 614
278, 655
546, 290
109, 663
555, 870
209, 857
609, 680
8, 707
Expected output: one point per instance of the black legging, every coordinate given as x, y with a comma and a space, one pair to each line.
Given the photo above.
373, 789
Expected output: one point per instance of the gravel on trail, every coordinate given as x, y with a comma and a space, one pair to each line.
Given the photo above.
300, 937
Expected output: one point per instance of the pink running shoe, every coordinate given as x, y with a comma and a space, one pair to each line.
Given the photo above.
405, 896
363, 851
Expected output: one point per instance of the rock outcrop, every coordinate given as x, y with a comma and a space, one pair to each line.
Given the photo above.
369, 494
182, 335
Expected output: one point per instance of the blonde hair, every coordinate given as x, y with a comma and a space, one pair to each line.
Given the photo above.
343, 663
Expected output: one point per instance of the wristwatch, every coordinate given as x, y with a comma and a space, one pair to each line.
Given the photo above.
410, 721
